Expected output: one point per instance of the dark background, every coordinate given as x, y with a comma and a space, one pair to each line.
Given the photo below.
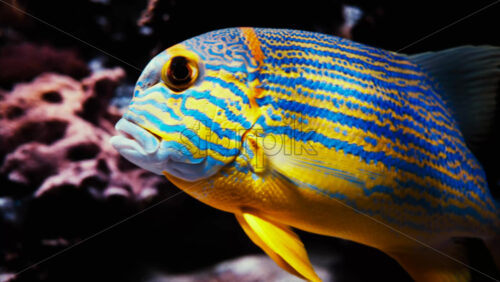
183, 235
113, 27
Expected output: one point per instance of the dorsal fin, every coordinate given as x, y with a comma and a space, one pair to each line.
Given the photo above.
468, 79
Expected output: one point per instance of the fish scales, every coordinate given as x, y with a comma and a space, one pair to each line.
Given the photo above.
399, 77
380, 70
295, 128
355, 119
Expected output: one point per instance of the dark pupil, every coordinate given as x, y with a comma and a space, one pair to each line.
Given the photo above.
179, 70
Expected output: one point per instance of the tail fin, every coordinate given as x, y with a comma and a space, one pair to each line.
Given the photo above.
468, 78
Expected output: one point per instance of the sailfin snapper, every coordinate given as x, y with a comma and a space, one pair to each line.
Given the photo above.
294, 129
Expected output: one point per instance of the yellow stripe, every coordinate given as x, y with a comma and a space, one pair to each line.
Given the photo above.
432, 103
203, 132
380, 75
251, 112
355, 135
331, 183
357, 113
349, 55
368, 91
332, 72
341, 42
428, 181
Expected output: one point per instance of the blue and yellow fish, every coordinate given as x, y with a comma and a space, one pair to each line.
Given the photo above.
287, 128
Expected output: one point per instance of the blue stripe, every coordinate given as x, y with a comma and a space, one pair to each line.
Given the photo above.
218, 102
436, 192
231, 86
182, 129
429, 208
367, 156
209, 123
336, 43
371, 141
338, 60
291, 82
385, 131
422, 77
420, 202
353, 121
229, 69
370, 99
353, 73
222, 104
161, 107
361, 96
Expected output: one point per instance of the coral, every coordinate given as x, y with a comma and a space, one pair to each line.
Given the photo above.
54, 133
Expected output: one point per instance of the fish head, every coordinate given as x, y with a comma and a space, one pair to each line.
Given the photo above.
191, 107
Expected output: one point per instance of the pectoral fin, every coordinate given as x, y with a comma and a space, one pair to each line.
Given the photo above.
280, 243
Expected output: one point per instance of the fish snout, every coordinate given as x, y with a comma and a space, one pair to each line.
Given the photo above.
135, 137
145, 149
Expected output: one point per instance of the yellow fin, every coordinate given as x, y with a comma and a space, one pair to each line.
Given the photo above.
280, 243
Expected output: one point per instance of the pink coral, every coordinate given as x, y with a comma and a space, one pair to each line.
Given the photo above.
54, 133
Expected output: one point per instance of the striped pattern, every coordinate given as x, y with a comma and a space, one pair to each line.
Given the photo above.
380, 108
347, 103
207, 121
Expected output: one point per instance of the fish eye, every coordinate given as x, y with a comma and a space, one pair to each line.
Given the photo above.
179, 73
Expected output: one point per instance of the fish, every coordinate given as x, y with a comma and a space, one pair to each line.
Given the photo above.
291, 129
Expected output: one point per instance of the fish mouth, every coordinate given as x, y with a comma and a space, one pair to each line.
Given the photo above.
158, 137
149, 151
135, 137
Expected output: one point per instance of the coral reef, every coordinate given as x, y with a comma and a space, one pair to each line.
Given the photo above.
54, 134
54, 152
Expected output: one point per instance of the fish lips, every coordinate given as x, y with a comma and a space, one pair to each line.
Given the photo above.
144, 149
136, 144
135, 138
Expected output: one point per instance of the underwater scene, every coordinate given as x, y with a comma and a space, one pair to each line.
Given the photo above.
180, 140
